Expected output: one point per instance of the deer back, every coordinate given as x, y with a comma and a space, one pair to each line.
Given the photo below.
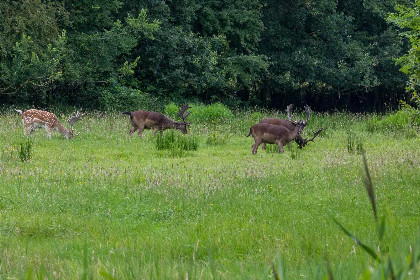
270, 133
34, 116
288, 124
150, 119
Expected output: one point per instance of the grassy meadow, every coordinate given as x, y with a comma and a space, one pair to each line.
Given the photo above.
107, 206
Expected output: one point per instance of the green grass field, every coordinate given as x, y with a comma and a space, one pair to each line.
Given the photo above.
107, 206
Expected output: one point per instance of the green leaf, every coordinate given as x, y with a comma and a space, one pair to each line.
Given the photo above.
367, 249
381, 229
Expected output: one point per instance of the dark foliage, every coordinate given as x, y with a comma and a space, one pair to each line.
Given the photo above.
328, 53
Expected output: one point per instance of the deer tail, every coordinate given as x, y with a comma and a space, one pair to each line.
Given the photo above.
127, 113
249, 133
19, 111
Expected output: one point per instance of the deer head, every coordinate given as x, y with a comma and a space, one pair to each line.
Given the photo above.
183, 114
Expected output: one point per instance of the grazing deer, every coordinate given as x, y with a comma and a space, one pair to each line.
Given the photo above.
289, 124
158, 122
274, 134
33, 119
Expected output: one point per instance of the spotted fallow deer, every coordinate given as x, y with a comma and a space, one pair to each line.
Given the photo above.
274, 134
33, 119
158, 122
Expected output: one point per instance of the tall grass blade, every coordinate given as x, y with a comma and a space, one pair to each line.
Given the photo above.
381, 229
368, 250
415, 253
29, 273
329, 270
85, 269
391, 269
275, 273
278, 274
106, 275
369, 186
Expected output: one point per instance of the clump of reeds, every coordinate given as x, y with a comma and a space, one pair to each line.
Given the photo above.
354, 143
25, 150
176, 143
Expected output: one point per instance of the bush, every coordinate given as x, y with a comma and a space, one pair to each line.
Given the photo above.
120, 98
171, 110
214, 113
176, 143
256, 117
398, 120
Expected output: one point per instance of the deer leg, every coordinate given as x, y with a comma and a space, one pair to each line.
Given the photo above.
280, 145
255, 147
155, 130
140, 131
25, 130
134, 128
31, 130
263, 146
48, 129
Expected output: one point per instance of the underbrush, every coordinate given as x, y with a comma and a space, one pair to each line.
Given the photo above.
398, 123
176, 143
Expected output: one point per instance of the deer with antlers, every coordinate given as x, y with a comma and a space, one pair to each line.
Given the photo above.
274, 134
158, 122
289, 124
33, 119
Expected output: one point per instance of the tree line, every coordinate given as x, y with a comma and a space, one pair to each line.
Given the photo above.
112, 54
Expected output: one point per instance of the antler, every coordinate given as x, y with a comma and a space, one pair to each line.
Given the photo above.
289, 112
308, 112
315, 135
182, 112
74, 118
304, 142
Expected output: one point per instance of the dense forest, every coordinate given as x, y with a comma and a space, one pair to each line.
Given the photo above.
126, 54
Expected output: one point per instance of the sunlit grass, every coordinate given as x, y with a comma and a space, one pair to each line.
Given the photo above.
105, 204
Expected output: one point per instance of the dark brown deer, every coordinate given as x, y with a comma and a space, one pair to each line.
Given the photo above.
33, 119
289, 124
274, 134
158, 122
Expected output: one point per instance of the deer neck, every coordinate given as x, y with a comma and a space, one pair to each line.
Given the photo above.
293, 134
63, 130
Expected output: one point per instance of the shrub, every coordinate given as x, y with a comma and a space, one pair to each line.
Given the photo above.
256, 117
214, 113
399, 120
176, 143
171, 110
